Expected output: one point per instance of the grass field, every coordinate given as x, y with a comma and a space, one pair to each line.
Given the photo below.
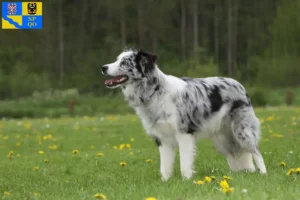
38, 161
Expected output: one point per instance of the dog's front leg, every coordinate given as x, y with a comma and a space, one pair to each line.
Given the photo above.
167, 156
187, 147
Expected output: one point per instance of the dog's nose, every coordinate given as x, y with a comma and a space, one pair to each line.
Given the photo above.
104, 69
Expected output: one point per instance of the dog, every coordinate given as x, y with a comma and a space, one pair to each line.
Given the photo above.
179, 111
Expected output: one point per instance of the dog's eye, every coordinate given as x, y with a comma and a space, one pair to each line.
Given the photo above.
122, 63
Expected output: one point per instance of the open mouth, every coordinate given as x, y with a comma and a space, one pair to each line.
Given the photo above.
116, 81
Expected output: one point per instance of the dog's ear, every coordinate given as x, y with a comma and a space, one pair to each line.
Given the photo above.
148, 55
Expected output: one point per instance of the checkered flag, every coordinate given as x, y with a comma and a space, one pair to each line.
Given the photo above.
12, 8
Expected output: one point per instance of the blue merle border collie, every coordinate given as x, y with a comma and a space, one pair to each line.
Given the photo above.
179, 111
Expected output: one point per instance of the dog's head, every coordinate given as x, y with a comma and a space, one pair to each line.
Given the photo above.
131, 65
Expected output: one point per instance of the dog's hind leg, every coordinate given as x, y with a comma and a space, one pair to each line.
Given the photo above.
246, 130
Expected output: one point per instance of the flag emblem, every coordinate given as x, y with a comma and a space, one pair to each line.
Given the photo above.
12, 8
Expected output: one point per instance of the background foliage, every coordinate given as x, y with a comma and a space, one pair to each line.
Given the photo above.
255, 42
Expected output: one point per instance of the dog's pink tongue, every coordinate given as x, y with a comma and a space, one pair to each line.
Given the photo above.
114, 80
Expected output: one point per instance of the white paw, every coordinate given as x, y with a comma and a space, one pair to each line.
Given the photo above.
187, 174
165, 175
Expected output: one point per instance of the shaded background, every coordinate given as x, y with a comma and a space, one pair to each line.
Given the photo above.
56, 71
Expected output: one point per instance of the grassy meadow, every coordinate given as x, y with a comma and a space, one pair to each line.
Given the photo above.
76, 158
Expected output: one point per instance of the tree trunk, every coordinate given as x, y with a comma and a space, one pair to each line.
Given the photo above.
140, 24
229, 37
234, 35
195, 28
216, 33
61, 43
183, 29
123, 23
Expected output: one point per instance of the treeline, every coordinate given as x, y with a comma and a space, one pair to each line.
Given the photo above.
257, 42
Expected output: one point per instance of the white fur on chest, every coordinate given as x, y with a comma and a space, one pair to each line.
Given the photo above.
159, 118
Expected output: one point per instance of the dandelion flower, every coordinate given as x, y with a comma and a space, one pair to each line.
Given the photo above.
52, 147
35, 168
74, 152
18, 155
277, 135
207, 179
115, 147
291, 171
282, 164
10, 154
213, 178
36, 194
27, 125
200, 182
224, 184
150, 198
123, 164
18, 144
99, 154
131, 139
6, 193
41, 152
227, 178
128, 146
5, 137
297, 170
46, 161
122, 146
100, 196
149, 161
227, 190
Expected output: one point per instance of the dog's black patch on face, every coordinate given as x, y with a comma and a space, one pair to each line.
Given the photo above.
215, 99
145, 62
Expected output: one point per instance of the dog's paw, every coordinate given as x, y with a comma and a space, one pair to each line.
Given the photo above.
187, 174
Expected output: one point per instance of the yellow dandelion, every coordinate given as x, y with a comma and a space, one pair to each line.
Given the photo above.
277, 135
297, 170
49, 136
227, 190
207, 179
291, 171
224, 184
99, 154
52, 147
36, 168
131, 139
282, 164
123, 164
227, 178
131, 153
36, 194
149, 161
213, 178
115, 147
18, 155
74, 152
122, 146
100, 196
5, 137
27, 126
10, 154
41, 152
6, 193
150, 198
199, 182
128, 146
46, 161
18, 144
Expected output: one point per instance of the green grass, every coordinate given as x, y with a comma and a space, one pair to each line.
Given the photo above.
83, 175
